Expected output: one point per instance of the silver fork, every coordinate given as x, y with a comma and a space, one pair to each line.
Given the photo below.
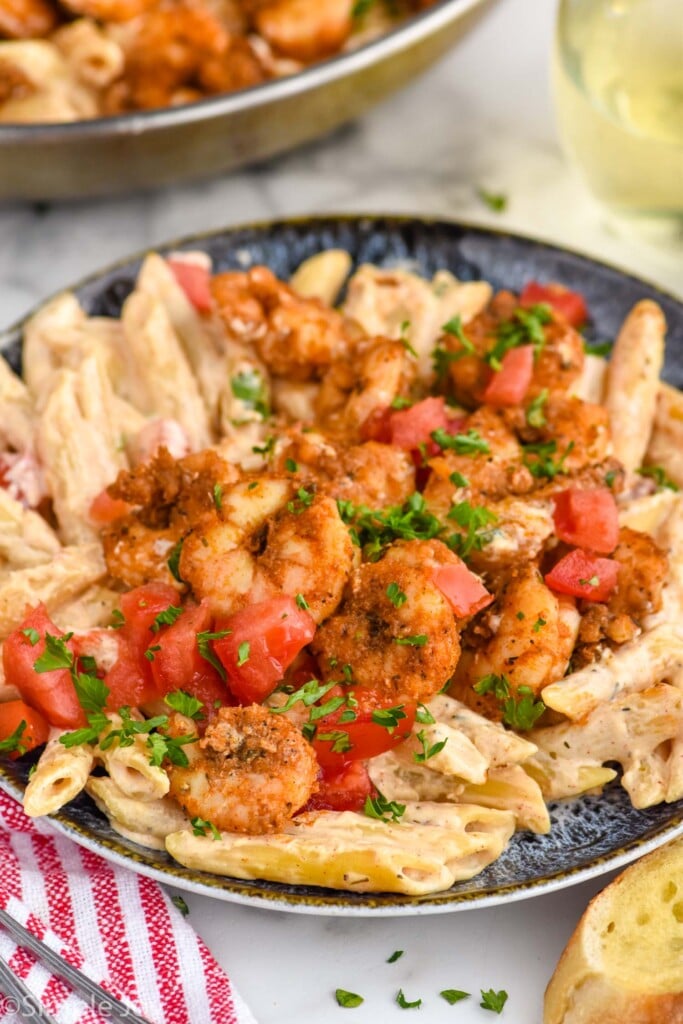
15, 989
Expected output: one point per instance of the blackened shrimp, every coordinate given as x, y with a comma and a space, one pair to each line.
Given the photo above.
251, 772
267, 538
396, 630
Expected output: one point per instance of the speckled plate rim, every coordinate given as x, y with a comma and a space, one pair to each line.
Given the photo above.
412, 30
333, 902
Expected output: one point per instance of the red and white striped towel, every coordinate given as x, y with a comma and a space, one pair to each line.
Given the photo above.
115, 926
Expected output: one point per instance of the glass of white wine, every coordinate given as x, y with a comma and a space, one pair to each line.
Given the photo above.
618, 82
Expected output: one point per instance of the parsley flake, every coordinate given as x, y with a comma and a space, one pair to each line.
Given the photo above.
496, 201
427, 752
347, 999
405, 1004
218, 496
471, 443
520, 710
243, 653
166, 618
32, 635
201, 827
13, 744
184, 703
180, 903
173, 562
474, 520
396, 955
396, 595
424, 716
454, 995
301, 602
419, 640
535, 414
382, 809
600, 348
249, 387
525, 327
308, 694
388, 718
659, 475
494, 1001
207, 652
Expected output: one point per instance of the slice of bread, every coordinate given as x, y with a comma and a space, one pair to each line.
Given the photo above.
624, 962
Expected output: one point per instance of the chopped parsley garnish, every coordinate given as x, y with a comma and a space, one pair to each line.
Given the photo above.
32, 635
13, 743
118, 619
594, 581
207, 652
400, 403
373, 530
419, 640
538, 458
454, 995
458, 480
201, 827
243, 653
539, 624
166, 747
473, 519
184, 704
382, 809
389, 718
250, 387
267, 448
525, 327
495, 1001
471, 443
180, 904
520, 710
173, 562
424, 716
535, 414
151, 651
443, 357
166, 618
600, 348
405, 1004
396, 595
308, 694
405, 327
56, 654
610, 477
659, 475
396, 955
348, 999
291, 466
340, 740
301, 602
496, 201
427, 752
304, 499
454, 327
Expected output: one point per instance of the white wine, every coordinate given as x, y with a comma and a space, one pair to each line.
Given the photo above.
618, 81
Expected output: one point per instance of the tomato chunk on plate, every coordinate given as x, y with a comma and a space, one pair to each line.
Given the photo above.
509, 385
194, 280
375, 729
261, 642
51, 693
571, 305
463, 590
178, 663
587, 519
35, 732
583, 575
130, 679
343, 790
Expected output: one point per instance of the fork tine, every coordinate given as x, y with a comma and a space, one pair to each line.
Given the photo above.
98, 996
27, 1006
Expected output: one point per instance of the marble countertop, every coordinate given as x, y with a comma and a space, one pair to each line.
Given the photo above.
482, 117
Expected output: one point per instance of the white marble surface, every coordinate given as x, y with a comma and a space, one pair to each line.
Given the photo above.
482, 117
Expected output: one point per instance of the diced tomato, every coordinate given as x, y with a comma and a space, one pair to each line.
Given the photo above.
463, 590
363, 737
583, 575
412, 427
570, 304
130, 679
194, 280
509, 385
377, 427
587, 519
52, 693
36, 730
262, 642
105, 509
178, 665
344, 790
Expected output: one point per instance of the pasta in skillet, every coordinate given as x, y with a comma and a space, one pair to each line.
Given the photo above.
338, 596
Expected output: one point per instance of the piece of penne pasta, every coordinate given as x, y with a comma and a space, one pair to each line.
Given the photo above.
26, 539
78, 444
17, 421
512, 789
632, 384
94, 57
665, 448
433, 846
497, 744
148, 821
649, 513
454, 753
129, 767
70, 572
61, 773
634, 729
633, 667
89, 610
41, 361
322, 276
170, 387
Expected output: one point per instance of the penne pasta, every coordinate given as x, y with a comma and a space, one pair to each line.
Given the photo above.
632, 383
61, 773
16, 411
322, 276
130, 770
147, 822
665, 447
26, 540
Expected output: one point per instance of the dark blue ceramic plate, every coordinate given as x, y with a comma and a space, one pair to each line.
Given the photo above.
590, 835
